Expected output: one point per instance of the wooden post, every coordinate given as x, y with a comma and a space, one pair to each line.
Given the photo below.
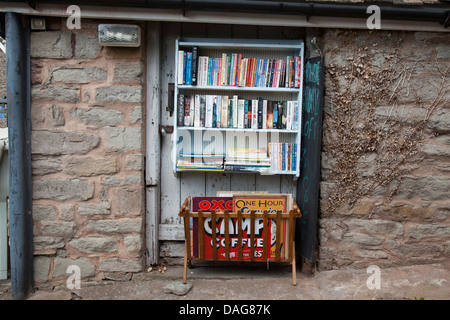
265, 226
186, 248
278, 235
214, 233
239, 217
294, 268
200, 235
227, 235
252, 235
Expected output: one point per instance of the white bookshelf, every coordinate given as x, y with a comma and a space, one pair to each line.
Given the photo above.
217, 140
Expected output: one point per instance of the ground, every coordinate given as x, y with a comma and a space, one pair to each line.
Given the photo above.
431, 281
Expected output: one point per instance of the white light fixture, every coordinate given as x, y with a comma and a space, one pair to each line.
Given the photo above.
119, 35
37, 23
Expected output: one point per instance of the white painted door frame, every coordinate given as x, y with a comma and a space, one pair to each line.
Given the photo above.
153, 145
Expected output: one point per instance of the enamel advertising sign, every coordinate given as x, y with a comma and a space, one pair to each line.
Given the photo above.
259, 203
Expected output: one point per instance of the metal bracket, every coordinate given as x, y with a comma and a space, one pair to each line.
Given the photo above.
170, 99
165, 129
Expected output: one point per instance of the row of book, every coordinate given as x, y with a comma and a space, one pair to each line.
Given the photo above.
247, 159
221, 111
277, 157
233, 69
283, 156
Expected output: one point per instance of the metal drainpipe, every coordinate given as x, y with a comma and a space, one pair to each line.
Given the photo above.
20, 194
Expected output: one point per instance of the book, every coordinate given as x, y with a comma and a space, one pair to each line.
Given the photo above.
254, 114
180, 67
214, 111
187, 111
241, 113
235, 111
230, 112
194, 65
197, 122
180, 111
188, 69
260, 112
264, 115
202, 110
219, 111
224, 115
295, 115
269, 114
298, 64
209, 111
192, 111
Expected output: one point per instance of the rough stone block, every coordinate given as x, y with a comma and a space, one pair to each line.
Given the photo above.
85, 167
58, 228
78, 75
86, 46
365, 240
124, 72
128, 180
129, 202
94, 244
116, 226
41, 268
102, 208
136, 115
57, 116
87, 269
419, 249
63, 189
57, 143
47, 244
40, 167
123, 139
67, 212
429, 230
43, 213
177, 288
377, 226
427, 188
56, 92
119, 93
120, 265
135, 162
443, 52
51, 44
98, 115
133, 245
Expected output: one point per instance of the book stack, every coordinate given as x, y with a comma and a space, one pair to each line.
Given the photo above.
283, 156
233, 69
200, 161
221, 111
247, 159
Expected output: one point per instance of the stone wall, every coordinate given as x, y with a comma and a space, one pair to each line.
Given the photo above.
87, 154
386, 149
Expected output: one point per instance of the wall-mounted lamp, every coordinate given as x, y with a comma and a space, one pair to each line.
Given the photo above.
119, 35
37, 24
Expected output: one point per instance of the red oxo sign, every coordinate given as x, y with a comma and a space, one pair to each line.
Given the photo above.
208, 204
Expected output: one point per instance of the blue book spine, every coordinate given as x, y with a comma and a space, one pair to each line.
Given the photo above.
283, 153
294, 157
258, 61
188, 68
275, 118
184, 70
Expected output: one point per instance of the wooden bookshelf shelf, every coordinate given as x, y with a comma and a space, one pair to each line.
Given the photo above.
234, 88
269, 72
